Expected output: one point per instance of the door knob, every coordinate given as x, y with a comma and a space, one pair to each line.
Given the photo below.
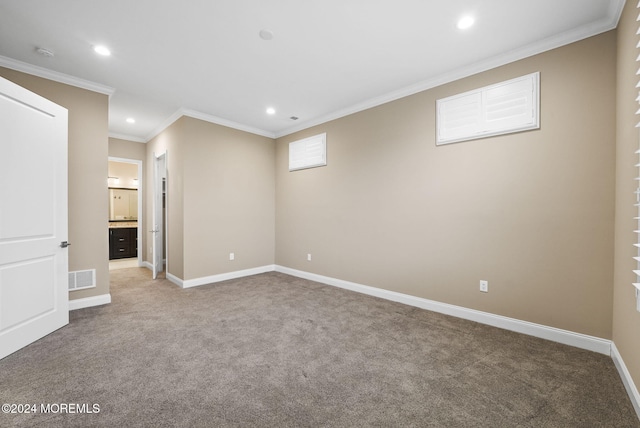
64, 244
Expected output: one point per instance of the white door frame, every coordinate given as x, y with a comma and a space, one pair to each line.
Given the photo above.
159, 216
140, 206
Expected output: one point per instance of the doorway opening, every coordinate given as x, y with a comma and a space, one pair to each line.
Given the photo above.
125, 212
159, 241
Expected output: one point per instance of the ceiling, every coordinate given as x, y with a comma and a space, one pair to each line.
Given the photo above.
327, 58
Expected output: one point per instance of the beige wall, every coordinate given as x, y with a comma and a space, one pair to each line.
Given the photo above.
127, 149
221, 198
626, 320
531, 212
229, 199
88, 197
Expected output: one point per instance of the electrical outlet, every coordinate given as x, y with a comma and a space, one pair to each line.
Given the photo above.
308, 257
484, 286
232, 256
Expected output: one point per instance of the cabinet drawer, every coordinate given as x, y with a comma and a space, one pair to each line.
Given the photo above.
119, 235
120, 249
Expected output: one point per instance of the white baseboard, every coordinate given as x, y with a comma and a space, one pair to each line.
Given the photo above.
221, 277
169, 276
566, 337
177, 281
87, 302
629, 385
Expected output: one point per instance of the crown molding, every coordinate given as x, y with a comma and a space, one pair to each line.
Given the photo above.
164, 125
67, 79
207, 118
228, 123
586, 31
615, 11
127, 137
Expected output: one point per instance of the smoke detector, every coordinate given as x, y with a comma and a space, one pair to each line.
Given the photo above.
266, 34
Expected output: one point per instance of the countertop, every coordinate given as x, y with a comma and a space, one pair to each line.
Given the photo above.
122, 224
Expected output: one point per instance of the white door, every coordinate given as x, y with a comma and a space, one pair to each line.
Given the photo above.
34, 277
159, 176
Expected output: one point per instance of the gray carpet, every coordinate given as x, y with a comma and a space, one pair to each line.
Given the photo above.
272, 350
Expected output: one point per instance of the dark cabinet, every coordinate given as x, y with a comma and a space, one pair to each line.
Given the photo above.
123, 242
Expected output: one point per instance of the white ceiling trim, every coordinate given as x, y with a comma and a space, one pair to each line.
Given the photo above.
615, 11
55, 76
207, 118
228, 123
126, 137
164, 125
533, 49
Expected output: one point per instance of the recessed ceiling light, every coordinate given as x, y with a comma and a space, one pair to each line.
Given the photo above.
466, 22
266, 34
102, 50
271, 110
131, 120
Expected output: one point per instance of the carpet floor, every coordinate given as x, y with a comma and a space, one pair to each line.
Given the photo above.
272, 350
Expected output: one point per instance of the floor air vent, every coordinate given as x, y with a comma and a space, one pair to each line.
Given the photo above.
81, 279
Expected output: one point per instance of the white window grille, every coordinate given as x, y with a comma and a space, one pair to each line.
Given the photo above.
506, 107
308, 153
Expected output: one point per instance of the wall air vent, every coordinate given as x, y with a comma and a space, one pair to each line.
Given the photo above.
81, 279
